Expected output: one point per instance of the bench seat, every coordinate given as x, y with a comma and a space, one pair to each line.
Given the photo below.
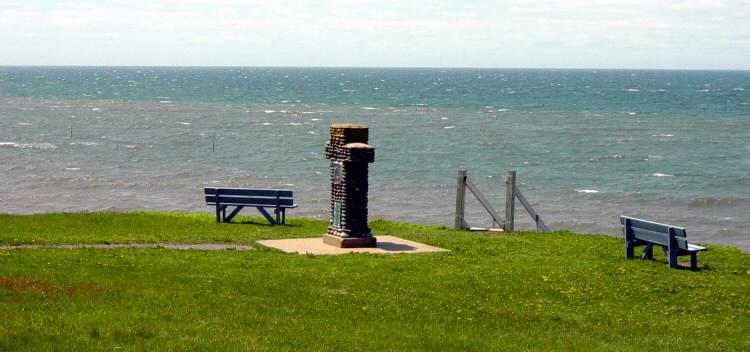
278, 199
694, 248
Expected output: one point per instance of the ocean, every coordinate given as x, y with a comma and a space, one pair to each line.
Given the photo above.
587, 145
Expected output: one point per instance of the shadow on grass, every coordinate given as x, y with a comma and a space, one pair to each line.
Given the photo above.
259, 223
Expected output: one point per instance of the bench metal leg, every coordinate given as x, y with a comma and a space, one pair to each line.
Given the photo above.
266, 215
672, 257
648, 252
233, 213
277, 211
694, 261
283, 215
629, 250
218, 212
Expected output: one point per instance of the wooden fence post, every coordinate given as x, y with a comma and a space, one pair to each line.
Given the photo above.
510, 200
460, 198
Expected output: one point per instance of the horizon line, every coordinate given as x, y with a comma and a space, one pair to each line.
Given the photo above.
387, 67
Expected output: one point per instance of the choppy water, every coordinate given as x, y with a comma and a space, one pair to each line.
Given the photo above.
672, 146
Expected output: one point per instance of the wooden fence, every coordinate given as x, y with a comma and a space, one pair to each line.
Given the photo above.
511, 194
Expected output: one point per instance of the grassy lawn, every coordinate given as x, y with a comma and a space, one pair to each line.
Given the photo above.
523, 291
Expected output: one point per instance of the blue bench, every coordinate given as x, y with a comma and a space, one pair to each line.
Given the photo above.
221, 198
672, 240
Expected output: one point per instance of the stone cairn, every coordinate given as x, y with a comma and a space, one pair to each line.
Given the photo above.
350, 156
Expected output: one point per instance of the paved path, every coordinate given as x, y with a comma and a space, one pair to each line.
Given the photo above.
182, 246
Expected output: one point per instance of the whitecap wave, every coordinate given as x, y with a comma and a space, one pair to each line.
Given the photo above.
42, 146
632, 90
368, 108
183, 123
709, 202
662, 135
659, 174
449, 127
24, 124
587, 191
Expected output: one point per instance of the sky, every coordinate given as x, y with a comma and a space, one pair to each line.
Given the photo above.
650, 34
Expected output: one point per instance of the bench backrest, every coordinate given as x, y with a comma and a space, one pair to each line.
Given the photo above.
653, 232
249, 196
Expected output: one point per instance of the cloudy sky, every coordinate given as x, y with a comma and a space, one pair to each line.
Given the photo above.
700, 34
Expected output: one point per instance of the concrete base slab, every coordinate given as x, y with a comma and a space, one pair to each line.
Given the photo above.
315, 246
349, 242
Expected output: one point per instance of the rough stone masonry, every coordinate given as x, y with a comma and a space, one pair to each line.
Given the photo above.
350, 156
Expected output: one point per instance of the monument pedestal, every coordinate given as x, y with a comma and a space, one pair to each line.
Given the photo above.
350, 155
350, 242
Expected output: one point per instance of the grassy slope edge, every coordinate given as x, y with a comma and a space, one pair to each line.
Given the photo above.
526, 291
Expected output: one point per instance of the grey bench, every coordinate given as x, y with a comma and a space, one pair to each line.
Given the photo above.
278, 199
672, 240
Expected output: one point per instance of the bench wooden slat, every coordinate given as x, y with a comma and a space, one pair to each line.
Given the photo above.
248, 192
655, 226
659, 238
253, 202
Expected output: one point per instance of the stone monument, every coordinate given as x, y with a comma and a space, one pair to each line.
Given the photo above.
350, 156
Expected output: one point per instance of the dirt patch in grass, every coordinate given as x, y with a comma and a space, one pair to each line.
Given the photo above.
25, 284
28, 284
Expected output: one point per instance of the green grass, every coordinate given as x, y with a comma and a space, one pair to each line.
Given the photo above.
521, 291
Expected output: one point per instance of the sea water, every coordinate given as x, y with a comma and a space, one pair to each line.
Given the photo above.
587, 145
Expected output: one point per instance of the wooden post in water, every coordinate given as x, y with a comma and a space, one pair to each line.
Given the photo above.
460, 199
510, 200
213, 144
